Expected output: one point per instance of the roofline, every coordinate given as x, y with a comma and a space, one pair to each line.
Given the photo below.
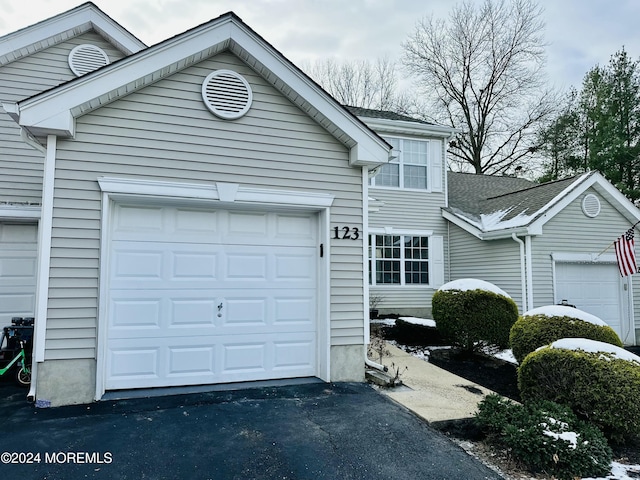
53, 112
549, 210
408, 127
48, 32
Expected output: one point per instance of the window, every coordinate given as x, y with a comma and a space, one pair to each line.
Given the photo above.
409, 169
399, 260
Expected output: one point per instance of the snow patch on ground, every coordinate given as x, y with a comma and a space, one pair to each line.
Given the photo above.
465, 284
425, 322
564, 311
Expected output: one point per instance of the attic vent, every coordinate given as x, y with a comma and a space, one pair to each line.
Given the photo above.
591, 205
87, 58
227, 94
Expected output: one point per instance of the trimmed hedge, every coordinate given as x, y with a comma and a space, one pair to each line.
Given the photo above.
598, 387
533, 331
471, 319
546, 436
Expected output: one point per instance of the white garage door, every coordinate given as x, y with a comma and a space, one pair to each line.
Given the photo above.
201, 296
18, 267
594, 288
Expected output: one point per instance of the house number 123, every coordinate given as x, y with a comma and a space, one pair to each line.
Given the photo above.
346, 233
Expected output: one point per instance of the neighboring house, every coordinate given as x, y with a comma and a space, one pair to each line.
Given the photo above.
32, 60
541, 243
191, 194
546, 243
408, 247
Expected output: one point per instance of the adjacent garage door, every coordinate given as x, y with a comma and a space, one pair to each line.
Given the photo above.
18, 267
594, 288
199, 296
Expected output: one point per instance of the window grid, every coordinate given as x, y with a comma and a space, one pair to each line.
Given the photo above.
409, 169
399, 260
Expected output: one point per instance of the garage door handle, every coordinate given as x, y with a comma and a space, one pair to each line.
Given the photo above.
220, 310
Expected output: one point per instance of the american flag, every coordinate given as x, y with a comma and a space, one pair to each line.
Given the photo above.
626, 254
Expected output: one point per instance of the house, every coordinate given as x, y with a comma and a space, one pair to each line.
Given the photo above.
32, 60
546, 243
190, 195
541, 243
407, 233
201, 212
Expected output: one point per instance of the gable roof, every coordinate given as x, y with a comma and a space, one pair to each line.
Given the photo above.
53, 112
59, 28
495, 207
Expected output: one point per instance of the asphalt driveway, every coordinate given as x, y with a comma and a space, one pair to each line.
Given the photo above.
313, 431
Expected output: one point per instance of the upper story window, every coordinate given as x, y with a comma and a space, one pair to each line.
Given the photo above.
410, 169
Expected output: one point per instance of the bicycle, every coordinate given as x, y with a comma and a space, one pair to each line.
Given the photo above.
22, 370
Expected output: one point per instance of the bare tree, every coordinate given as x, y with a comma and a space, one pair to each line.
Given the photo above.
365, 84
483, 72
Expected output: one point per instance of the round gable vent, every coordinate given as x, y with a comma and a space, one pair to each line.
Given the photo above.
591, 205
87, 58
227, 94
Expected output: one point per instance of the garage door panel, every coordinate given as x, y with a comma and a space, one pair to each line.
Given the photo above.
227, 358
18, 269
593, 288
210, 297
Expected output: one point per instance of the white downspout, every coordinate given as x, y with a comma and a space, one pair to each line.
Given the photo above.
44, 261
523, 272
365, 256
527, 245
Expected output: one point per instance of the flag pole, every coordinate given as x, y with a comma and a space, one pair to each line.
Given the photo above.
611, 244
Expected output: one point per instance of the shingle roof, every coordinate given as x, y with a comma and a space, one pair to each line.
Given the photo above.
494, 202
384, 114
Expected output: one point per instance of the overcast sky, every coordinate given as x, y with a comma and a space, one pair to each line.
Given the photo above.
580, 33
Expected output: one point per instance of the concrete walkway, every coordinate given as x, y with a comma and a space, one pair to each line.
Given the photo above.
433, 394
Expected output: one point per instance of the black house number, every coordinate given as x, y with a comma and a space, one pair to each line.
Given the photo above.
346, 233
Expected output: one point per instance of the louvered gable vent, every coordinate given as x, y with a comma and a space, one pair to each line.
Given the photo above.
87, 58
227, 94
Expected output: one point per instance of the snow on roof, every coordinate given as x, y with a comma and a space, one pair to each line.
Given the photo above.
594, 346
564, 311
465, 284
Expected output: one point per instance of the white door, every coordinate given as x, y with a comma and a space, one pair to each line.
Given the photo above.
200, 296
18, 268
597, 289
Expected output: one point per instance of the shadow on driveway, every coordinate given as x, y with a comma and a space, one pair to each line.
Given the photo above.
313, 431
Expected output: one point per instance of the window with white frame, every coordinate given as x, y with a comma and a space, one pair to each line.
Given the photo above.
409, 169
398, 260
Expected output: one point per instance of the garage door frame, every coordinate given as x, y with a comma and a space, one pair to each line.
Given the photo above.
215, 196
625, 285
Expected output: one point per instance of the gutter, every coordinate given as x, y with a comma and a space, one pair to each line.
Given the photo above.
527, 245
523, 277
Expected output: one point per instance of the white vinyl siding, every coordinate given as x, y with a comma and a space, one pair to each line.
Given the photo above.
495, 261
165, 132
21, 164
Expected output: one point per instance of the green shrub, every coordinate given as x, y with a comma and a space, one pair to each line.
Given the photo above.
472, 319
546, 436
533, 331
598, 387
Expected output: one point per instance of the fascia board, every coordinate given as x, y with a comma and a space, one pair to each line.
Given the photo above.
466, 226
44, 110
492, 235
409, 128
372, 150
85, 14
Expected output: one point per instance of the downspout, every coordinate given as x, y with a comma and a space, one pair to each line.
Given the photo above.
523, 272
44, 261
365, 262
527, 244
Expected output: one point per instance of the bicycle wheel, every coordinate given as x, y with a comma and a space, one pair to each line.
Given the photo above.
23, 376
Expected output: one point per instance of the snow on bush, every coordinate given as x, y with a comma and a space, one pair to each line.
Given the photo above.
465, 284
